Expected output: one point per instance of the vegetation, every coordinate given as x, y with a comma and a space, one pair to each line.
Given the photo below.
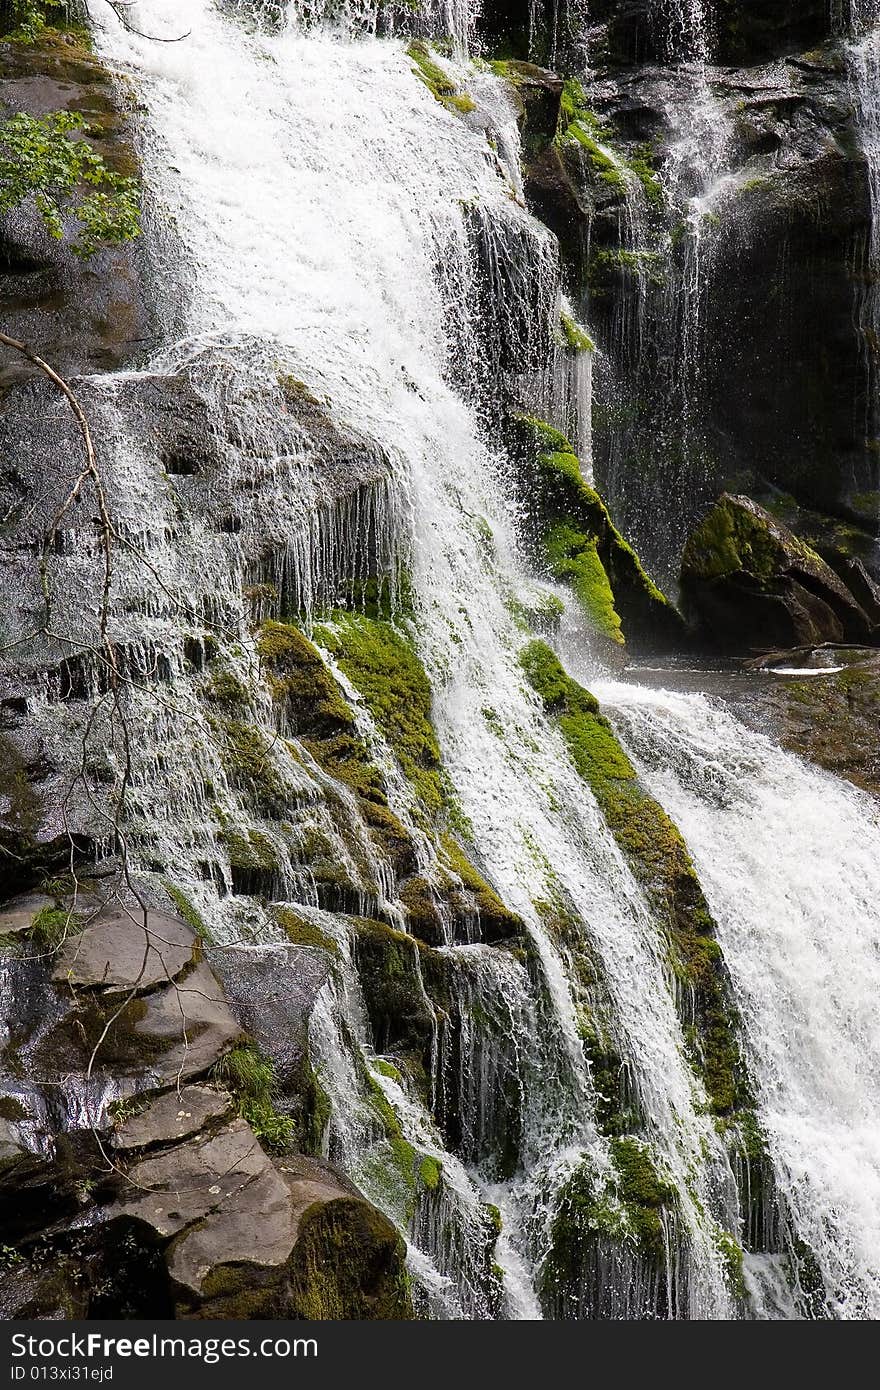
438, 82
571, 529
580, 126
381, 663
250, 1079
50, 159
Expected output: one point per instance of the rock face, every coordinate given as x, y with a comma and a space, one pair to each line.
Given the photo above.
81, 316
719, 381
130, 1191
750, 584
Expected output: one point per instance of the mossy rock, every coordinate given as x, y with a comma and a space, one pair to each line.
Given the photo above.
570, 530
496, 921
349, 1263
381, 663
751, 584
609, 1237
401, 1016
438, 82
316, 710
657, 854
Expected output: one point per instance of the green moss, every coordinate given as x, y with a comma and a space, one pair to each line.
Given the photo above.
224, 689
381, 663
50, 927
731, 1253
576, 338
349, 1263
250, 850
386, 1068
571, 529
733, 539
438, 82
643, 1192
658, 856
185, 909
581, 127
574, 558
430, 1172
304, 933
313, 1114
298, 678
607, 266
250, 1079
496, 918
248, 756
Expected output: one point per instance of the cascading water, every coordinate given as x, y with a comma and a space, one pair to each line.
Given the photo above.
345, 234
797, 910
314, 184
653, 390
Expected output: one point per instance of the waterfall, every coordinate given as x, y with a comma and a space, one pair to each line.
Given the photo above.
654, 384
335, 223
789, 859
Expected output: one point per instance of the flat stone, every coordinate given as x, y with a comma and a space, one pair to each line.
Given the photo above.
118, 953
229, 1186
173, 1117
173, 1033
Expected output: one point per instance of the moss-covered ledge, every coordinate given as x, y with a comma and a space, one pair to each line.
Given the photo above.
571, 532
658, 856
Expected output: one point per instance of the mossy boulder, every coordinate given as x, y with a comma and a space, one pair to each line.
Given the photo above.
571, 532
750, 584
291, 1239
658, 856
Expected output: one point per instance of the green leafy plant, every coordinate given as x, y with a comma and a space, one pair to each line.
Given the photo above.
45, 157
25, 20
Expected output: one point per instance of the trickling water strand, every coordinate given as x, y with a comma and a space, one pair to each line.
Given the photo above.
789, 860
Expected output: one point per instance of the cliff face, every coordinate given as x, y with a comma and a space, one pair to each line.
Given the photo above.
729, 187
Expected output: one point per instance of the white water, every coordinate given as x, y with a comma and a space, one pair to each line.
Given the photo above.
314, 185
790, 861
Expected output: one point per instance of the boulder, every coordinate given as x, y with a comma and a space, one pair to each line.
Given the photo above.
749, 583
247, 1238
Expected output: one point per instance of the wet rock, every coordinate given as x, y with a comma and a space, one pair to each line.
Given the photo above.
274, 989
121, 951
172, 1033
830, 718
17, 916
173, 1117
252, 1239
82, 316
749, 583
